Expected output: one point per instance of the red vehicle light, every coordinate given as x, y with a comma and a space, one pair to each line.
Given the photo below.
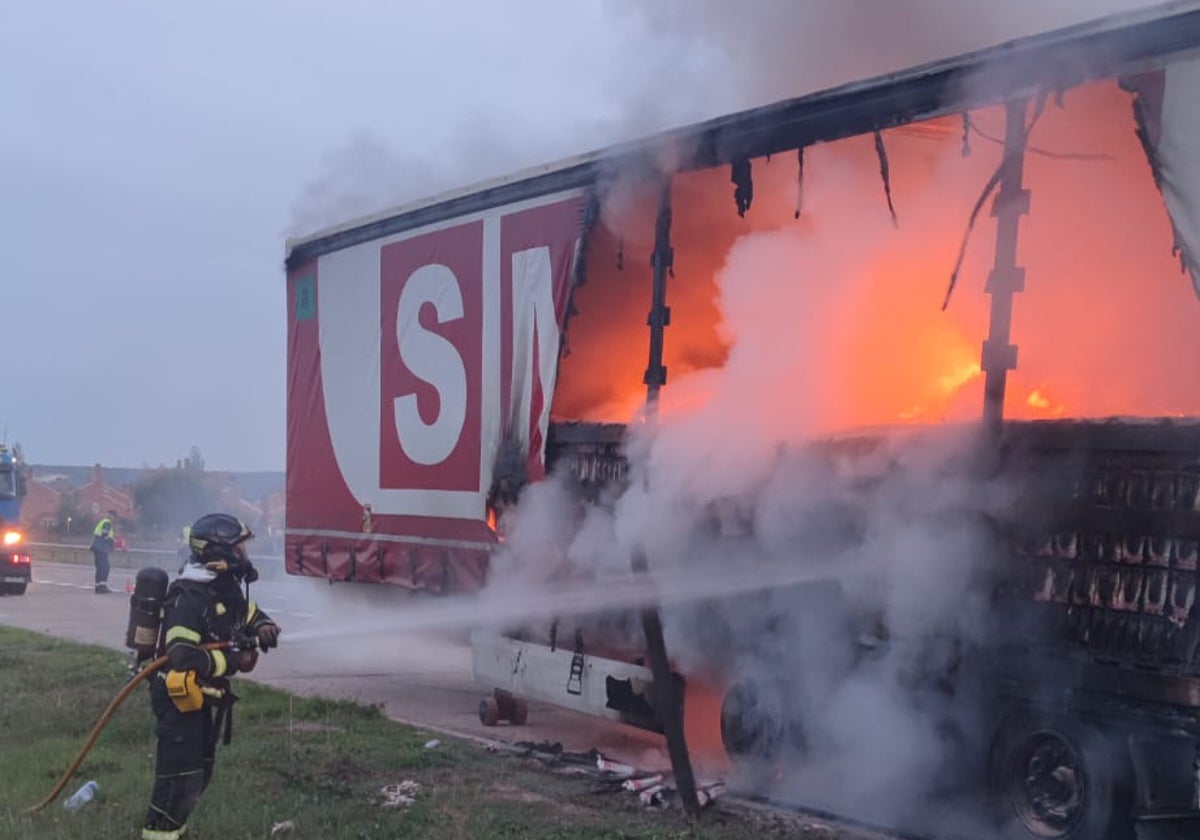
21, 558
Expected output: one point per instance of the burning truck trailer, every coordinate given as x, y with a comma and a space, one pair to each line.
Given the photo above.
854, 547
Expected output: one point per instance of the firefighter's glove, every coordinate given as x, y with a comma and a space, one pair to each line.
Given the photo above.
246, 660
268, 635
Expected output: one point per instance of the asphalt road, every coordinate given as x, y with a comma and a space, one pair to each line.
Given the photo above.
423, 679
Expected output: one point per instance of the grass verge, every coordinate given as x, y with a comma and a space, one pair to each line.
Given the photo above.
319, 764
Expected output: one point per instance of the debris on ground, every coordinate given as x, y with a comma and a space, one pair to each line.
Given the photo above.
401, 794
282, 827
552, 753
639, 785
656, 795
710, 792
654, 788
651, 788
433, 744
615, 768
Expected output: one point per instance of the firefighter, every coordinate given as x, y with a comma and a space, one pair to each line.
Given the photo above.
103, 540
191, 696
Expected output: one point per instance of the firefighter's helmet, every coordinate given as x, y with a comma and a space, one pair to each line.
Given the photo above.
218, 542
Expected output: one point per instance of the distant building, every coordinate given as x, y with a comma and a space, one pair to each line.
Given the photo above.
58, 503
95, 499
42, 502
230, 501
55, 481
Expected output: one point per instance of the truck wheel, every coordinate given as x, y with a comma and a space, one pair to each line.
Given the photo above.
15, 588
519, 713
504, 702
1054, 778
489, 711
752, 721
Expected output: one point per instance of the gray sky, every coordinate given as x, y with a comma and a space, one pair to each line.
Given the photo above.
155, 155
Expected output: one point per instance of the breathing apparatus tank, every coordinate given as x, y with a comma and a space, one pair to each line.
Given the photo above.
145, 612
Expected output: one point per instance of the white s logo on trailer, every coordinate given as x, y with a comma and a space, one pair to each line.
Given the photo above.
436, 341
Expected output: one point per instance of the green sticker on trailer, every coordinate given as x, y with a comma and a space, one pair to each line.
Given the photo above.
306, 298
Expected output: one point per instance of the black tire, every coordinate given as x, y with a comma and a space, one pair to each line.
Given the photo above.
753, 721
1057, 779
15, 588
489, 711
504, 703
519, 713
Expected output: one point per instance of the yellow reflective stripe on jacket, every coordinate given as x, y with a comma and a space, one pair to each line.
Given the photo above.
220, 664
251, 611
102, 527
162, 834
181, 632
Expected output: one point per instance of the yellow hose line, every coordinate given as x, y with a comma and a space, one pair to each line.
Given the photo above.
150, 668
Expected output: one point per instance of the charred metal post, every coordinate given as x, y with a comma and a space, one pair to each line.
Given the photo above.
799, 181
885, 173
662, 260
667, 699
1006, 278
743, 182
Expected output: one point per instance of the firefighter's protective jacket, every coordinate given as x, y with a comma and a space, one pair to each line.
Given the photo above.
196, 613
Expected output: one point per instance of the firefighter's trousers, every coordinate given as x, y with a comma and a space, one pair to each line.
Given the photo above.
184, 761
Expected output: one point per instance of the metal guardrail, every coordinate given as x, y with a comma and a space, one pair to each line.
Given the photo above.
126, 558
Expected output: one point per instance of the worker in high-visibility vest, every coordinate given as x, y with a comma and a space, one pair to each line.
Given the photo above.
103, 539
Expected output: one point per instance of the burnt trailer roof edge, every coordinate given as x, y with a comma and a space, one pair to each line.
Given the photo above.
1052, 61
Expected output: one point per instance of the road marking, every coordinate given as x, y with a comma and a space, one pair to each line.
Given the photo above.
60, 583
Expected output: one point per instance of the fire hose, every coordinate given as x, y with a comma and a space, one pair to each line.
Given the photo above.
146, 671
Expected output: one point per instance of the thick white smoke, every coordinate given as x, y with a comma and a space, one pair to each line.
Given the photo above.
646, 67
366, 175
769, 50
735, 487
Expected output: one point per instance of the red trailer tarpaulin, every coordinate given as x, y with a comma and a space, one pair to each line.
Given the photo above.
412, 360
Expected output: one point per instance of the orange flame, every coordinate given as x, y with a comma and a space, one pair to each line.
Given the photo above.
1041, 403
702, 725
1104, 324
493, 523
